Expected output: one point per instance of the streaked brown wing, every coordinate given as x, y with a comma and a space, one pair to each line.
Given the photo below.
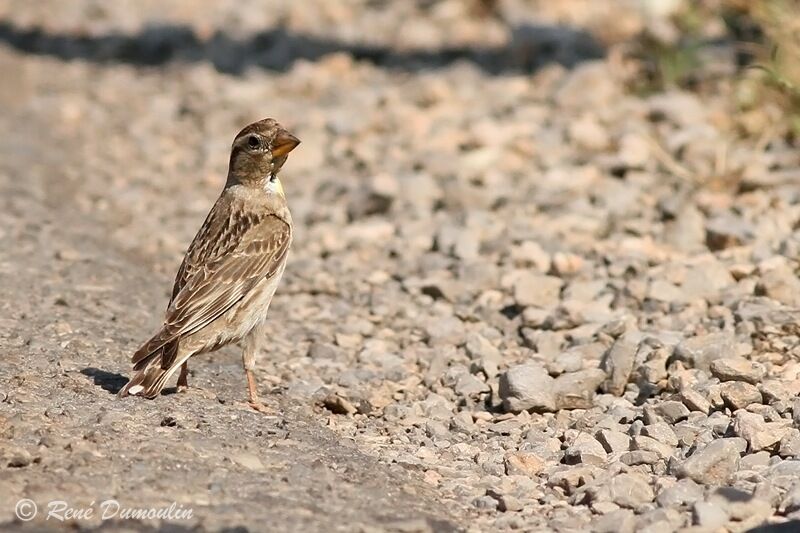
248, 250
218, 285
216, 238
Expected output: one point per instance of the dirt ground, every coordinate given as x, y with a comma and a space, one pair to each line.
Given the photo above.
521, 296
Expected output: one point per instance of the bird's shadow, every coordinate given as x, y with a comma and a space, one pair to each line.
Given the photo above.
108, 381
113, 382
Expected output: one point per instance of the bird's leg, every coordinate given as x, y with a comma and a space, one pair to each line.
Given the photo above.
249, 363
183, 378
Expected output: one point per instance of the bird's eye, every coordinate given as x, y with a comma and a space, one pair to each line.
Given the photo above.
253, 141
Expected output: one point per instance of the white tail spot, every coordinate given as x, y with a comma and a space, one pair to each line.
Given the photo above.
136, 389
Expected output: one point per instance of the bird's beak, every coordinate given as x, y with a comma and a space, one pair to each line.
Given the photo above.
284, 143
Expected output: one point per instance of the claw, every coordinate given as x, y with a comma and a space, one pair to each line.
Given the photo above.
258, 407
261, 408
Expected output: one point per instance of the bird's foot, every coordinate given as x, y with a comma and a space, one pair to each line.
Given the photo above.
258, 406
261, 408
183, 378
195, 391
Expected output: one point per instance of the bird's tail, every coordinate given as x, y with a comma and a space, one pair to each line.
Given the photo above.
150, 377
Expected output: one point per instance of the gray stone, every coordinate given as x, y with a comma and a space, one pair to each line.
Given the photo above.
662, 433
672, 411
727, 231
576, 390
789, 468
769, 413
458, 241
691, 434
740, 443
649, 415
486, 503
754, 461
572, 93
566, 362
447, 330
780, 283
570, 478
505, 502
640, 442
462, 422
790, 502
484, 353
707, 279
524, 464
639, 457
686, 231
588, 133
619, 521
718, 422
436, 429
543, 444
774, 390
248, 460
654, 369
708, 515
613, 441
737, 369
713, 394
790, 443
664, 291
695, 401
585, 450
530, 253
584, 291
618, 364
698, 352
796, 411
740, 505
324, 350
468, 385
661, 525
738, 394
759, 434
713, 464
660, 521
630, 490
527, 387
603, 507
684, 491
536, 290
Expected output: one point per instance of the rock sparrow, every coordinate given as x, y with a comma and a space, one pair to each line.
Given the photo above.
231, 270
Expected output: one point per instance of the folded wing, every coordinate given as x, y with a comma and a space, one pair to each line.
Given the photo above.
239, 252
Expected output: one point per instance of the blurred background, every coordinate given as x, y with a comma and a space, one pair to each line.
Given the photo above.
460, 113
480, 184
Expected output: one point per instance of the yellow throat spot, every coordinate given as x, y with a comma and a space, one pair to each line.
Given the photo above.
275, 185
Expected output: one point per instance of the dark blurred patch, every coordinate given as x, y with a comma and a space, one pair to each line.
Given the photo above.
793, 526
531, 47
109, 381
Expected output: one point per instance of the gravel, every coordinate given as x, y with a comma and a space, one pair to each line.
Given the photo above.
713, 464
527, 387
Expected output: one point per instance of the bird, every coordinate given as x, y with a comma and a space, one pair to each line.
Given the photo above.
231, 269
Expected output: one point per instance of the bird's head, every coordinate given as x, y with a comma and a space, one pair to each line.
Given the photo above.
258, 153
